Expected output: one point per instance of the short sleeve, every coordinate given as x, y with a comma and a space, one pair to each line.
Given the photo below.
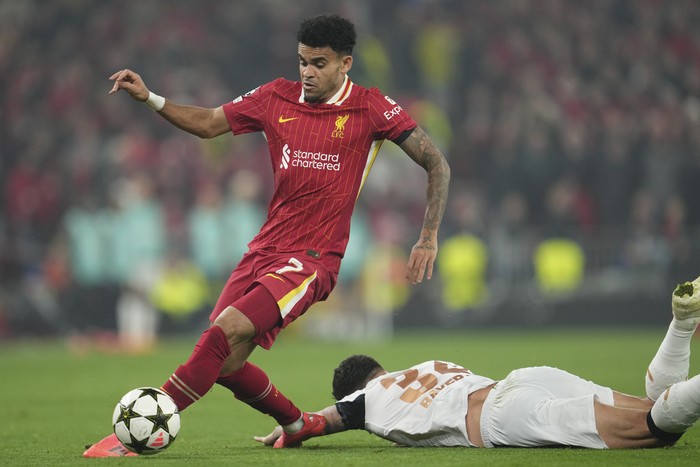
246, 113
352, 411
388, 118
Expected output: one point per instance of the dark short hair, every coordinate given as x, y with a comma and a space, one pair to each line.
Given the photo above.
333, 31
352, 374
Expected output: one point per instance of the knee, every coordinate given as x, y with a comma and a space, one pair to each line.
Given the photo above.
236, 326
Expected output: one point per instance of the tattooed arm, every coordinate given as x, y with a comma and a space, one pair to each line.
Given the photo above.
421, 149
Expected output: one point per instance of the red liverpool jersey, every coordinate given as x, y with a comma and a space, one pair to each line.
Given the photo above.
321, 155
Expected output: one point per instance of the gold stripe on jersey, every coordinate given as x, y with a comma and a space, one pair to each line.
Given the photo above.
346, 92
342, 94
292, 298
275, 276
373, 151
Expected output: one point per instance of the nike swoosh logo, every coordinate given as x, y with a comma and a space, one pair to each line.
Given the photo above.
285, 120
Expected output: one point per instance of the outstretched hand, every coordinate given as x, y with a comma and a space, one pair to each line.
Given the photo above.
270, 439
131, 82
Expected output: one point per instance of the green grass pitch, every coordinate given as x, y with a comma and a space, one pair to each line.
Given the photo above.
52, 402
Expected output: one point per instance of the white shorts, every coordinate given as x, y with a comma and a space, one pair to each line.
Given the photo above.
543, 406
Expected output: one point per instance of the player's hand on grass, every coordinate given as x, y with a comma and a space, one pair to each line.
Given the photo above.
131, 82
423, 254
270, 439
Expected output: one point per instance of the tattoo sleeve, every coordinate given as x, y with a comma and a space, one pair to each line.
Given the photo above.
423, 151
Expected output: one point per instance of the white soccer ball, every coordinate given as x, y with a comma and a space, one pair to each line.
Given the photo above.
146, 420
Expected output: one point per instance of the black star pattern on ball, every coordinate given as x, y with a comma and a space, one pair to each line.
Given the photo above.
126, 413
160, 420
150, 392
138, 446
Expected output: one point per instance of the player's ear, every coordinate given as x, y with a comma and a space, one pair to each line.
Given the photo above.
345, 63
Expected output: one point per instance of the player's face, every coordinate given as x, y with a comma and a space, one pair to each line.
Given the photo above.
322, 72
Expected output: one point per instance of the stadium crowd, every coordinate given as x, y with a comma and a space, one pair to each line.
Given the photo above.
561, 120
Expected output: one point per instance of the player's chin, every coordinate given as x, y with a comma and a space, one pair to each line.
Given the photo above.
312, 97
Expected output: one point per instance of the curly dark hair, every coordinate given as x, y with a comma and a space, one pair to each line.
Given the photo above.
333, 31
352, 374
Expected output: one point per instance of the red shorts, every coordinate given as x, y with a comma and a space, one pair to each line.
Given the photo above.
291, 283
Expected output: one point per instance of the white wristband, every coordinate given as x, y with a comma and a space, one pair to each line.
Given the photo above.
155, 101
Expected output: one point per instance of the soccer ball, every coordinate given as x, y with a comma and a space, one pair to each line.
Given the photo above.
146, 420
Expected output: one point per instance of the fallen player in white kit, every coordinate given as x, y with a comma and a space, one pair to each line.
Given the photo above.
439, 403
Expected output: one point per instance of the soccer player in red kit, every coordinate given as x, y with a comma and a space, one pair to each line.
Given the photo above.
323, 133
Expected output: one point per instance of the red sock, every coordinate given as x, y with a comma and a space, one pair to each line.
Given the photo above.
251, 385
197, 376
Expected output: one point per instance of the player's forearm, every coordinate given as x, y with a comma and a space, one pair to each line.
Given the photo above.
205, 123
334, 422
424, 152
202, 122
436, 193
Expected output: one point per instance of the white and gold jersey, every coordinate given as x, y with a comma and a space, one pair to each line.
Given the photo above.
425, 405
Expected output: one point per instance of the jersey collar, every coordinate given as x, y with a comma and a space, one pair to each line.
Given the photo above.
339, 97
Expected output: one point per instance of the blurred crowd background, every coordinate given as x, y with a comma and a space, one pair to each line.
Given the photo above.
572, 129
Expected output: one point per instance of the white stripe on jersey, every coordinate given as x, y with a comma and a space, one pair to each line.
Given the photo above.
287, 302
